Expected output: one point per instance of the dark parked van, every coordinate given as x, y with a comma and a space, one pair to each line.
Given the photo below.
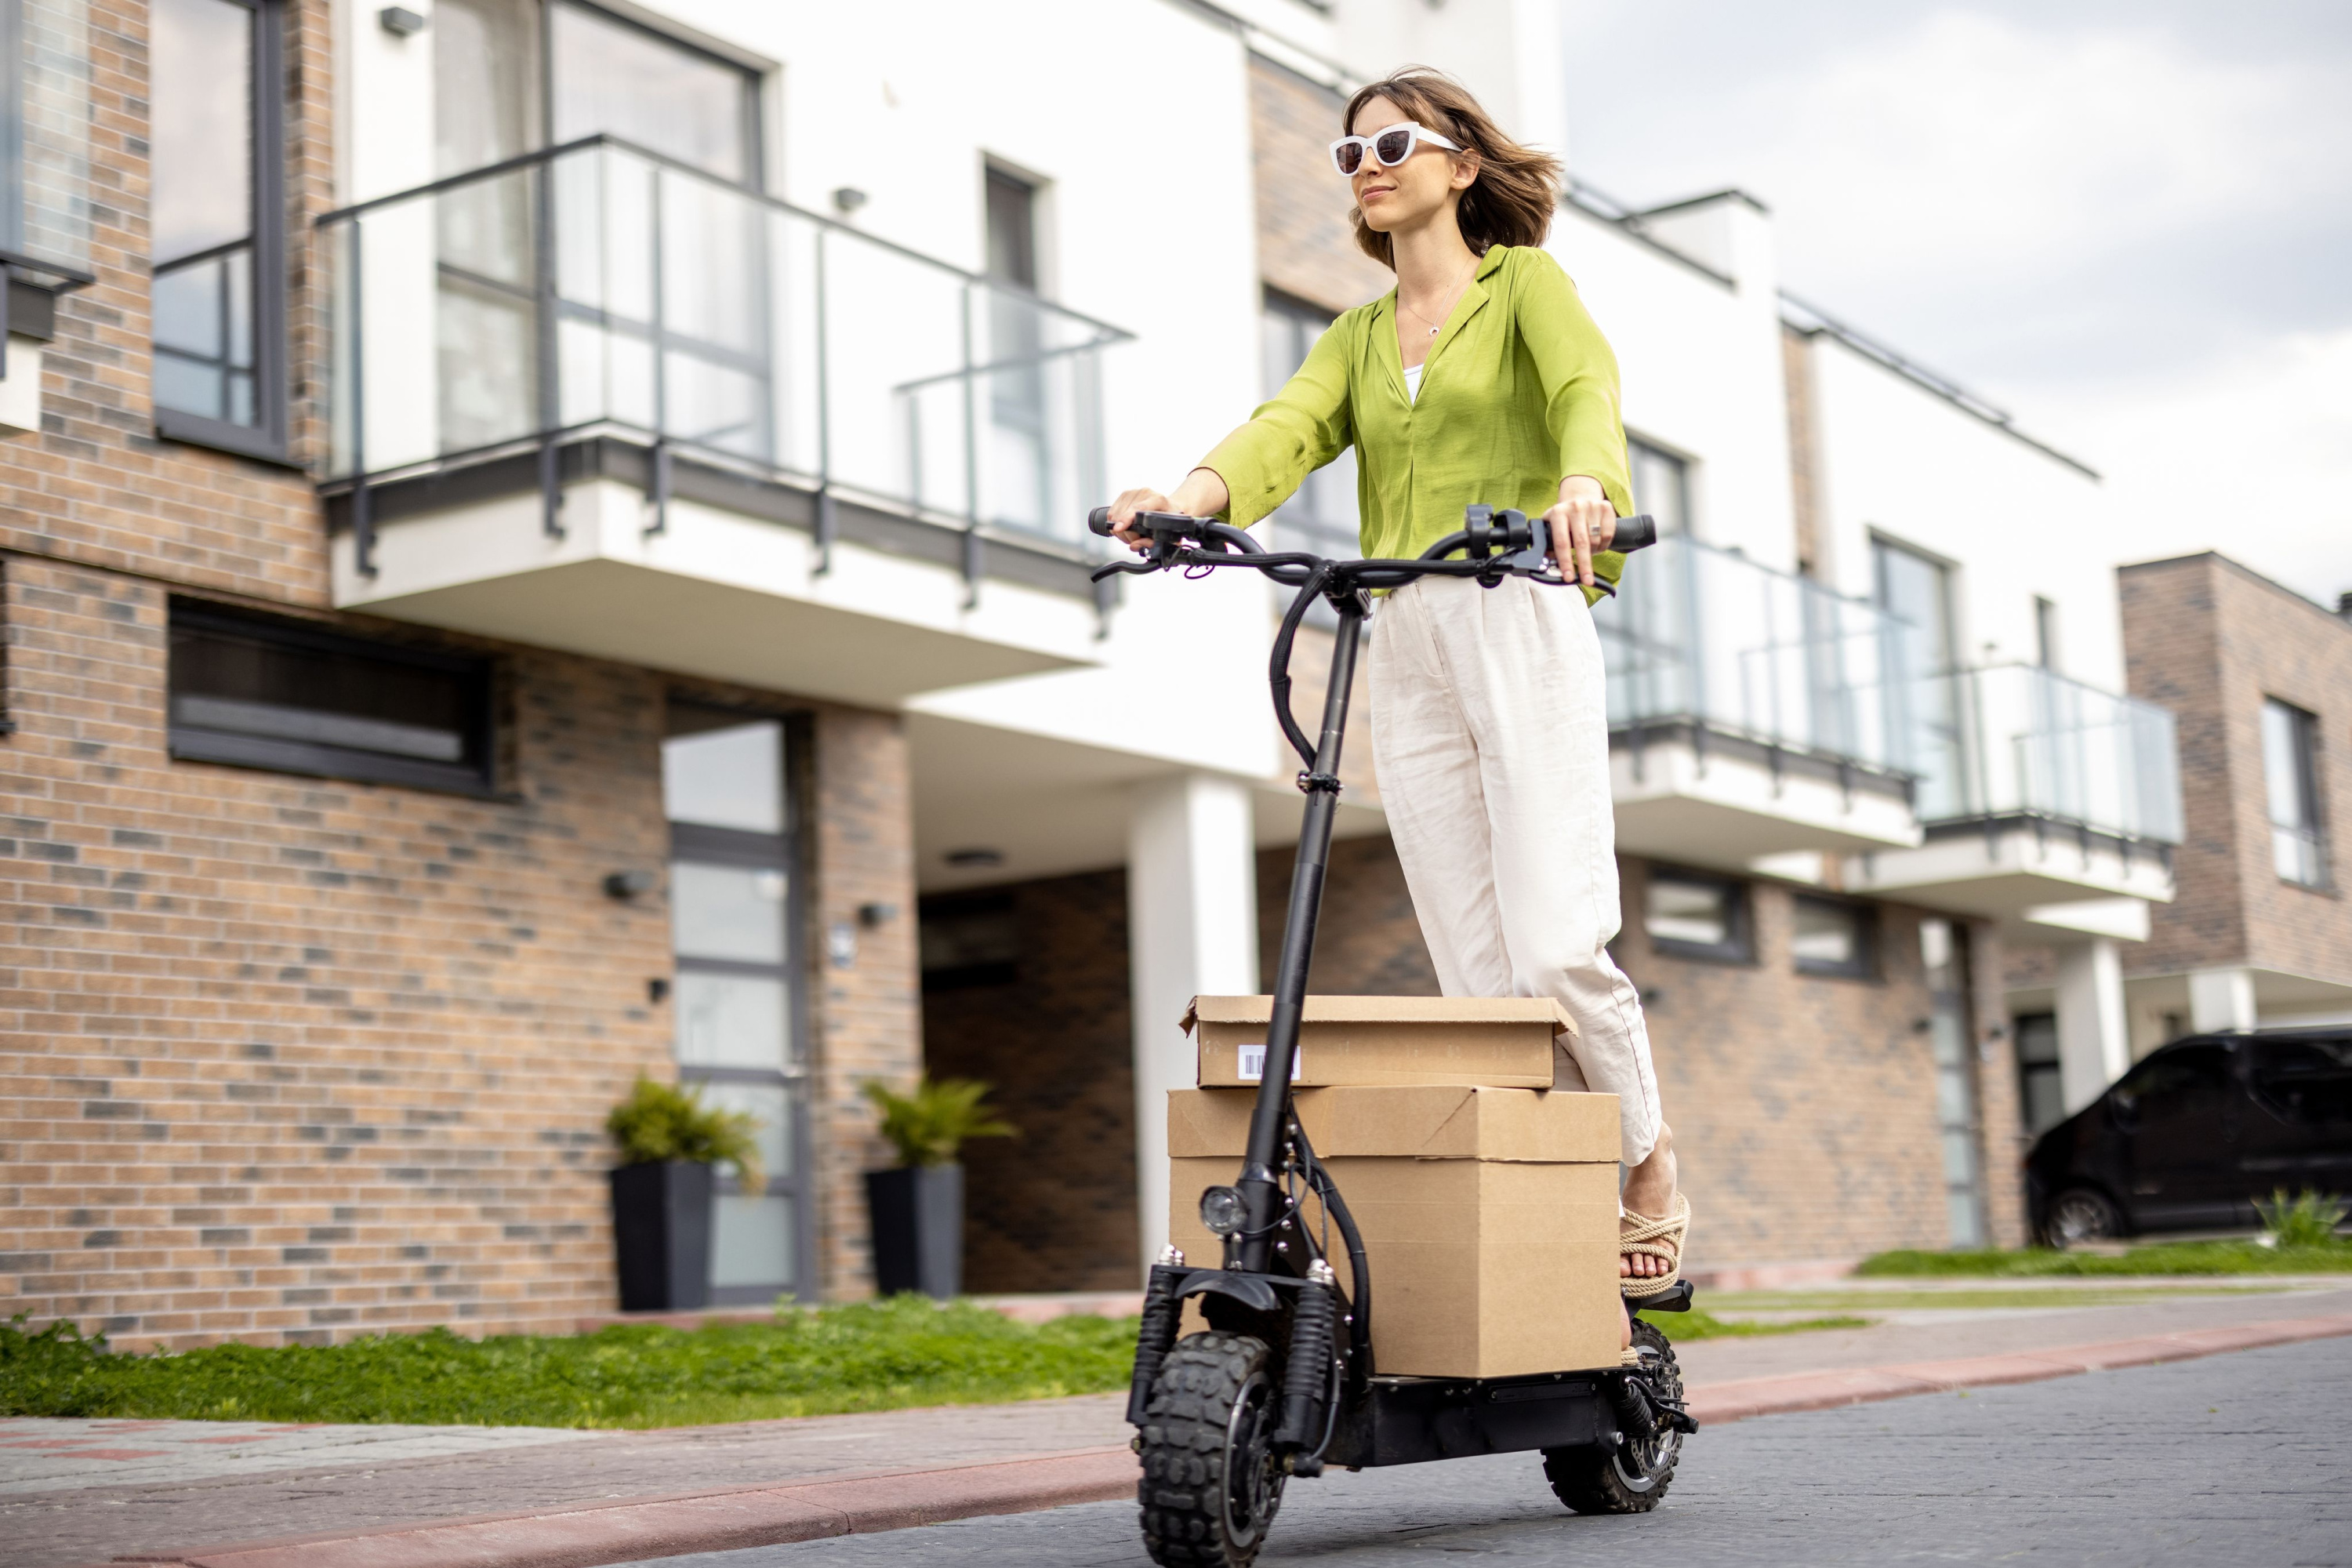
2193, 1135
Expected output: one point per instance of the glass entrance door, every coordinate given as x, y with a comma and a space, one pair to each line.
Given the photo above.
734, 907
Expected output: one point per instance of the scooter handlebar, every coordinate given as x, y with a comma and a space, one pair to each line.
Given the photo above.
1637, 533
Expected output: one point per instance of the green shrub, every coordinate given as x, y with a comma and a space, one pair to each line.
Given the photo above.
661, 1122
2306, 1221
929, 1126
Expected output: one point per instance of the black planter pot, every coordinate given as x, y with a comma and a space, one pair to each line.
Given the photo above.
918, 1216
661, 1235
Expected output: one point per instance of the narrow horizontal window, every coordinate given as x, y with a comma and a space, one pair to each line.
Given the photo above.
1694, 915
264, 693
1835, 938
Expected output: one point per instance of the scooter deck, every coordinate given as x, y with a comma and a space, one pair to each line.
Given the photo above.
1412, 1420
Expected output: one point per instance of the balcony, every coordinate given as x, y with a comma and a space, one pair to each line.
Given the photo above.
596, 400
2036, 792
1747, 714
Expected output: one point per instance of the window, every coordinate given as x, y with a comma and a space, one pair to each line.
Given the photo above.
970, 941
1944, 962
1019, 475
1661, 486
1923, 695
1320, 516
2046, 633
1691, 914
2290, 769
735, 917
1833, 937
2175, 1083
266, 693
45, 134
2307, 1082
2040, 1084
216, 223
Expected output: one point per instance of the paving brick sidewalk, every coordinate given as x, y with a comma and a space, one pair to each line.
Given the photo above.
248, 1491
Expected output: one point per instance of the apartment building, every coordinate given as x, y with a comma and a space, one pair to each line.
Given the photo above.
2258, 678
542, 543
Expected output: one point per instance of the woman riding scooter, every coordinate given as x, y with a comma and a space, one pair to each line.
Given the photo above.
1478, 378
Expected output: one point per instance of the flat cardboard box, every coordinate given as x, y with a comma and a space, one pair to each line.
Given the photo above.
1489, 1216
1500, 1042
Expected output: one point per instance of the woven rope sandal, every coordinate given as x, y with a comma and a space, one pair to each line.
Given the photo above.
1655, 1238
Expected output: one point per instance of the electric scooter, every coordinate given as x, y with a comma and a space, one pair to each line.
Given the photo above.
1282, 1382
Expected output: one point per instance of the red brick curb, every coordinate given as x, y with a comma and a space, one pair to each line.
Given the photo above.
1738, 1401
594, 1534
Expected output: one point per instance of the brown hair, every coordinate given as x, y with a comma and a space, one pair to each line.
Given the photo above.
1517, 188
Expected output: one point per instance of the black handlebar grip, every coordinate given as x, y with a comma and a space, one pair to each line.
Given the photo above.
1638, 532
1099, 519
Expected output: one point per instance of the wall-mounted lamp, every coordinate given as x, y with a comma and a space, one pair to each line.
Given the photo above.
847, 199
399, 21
628, 884
657, 990
872, 915
976, 860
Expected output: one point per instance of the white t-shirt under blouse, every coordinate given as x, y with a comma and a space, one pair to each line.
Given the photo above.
1412, 384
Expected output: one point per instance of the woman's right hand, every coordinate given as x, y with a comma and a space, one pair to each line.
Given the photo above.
1203, 494
1122, 516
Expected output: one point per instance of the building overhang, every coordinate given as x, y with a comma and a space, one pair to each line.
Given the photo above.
1688, 793
711, 572
2015, 868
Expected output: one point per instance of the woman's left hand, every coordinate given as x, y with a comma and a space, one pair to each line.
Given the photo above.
1584, 522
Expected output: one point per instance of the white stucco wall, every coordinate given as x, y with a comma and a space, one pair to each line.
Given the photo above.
2016, 522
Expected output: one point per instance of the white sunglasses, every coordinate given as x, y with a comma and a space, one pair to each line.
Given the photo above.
1391, 147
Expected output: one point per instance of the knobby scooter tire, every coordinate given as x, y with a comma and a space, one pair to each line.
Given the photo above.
1633, 1478
1210, 1487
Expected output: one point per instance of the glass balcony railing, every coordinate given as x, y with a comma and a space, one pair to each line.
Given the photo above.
597, 287
1703, 636
2019, 740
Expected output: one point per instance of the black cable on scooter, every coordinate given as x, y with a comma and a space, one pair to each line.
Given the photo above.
1280, 661
1360, 1268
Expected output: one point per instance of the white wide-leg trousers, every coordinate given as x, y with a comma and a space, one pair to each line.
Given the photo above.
1490, 737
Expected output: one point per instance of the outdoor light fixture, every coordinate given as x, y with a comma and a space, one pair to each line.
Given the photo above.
847, 199
399, 21
976, 860
628, 884
1222, 1211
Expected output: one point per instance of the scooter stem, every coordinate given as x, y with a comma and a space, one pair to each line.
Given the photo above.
1261, 1189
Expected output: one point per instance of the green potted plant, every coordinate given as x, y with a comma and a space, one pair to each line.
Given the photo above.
661, 1191
918, 1208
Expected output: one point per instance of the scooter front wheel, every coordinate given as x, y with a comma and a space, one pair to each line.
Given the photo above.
1211, 1485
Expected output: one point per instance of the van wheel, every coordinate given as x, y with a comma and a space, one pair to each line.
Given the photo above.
1633, 1477
2079, 1215
1210, 1484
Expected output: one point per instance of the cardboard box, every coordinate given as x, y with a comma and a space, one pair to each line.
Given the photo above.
1489, 1216
1501, 1042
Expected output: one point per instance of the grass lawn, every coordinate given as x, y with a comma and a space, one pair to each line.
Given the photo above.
876, 1356
1680, 1327
2162, 1257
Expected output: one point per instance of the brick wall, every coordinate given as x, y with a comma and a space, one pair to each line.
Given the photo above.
294, 1059
1054, 1208
1305, 246
2210, 640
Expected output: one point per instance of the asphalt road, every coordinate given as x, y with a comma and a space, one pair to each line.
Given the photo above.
2243, 1459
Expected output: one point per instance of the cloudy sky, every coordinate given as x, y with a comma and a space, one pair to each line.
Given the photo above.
2129, 224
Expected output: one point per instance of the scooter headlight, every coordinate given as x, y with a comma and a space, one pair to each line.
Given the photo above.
1222, 1211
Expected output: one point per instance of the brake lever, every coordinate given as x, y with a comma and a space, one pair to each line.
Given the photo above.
1143, 568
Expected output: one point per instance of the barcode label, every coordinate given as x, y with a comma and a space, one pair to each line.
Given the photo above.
1249, 1065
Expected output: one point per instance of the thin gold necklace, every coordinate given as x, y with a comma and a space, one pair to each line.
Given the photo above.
1434, 327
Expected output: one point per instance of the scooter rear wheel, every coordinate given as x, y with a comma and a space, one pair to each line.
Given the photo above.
1209, 1485
1634, 1477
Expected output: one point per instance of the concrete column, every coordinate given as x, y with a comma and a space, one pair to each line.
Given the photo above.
2094, 1047
2220, 999
1191, 909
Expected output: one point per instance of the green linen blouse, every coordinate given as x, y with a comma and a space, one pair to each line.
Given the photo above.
1519, 392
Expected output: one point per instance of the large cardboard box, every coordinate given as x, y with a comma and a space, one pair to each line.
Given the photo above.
1504, 1041
1489, 1216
